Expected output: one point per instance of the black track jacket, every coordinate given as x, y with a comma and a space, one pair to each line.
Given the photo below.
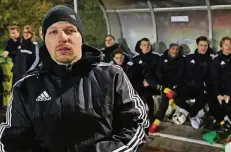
86, 107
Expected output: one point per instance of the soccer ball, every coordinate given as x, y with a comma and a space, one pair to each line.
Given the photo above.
178, 118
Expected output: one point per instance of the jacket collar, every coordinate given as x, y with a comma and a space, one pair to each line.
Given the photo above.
90, 57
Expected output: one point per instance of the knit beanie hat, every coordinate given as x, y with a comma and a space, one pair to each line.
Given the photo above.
62, 13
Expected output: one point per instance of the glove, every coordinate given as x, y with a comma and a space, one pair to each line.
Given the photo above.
169, 93
154, 127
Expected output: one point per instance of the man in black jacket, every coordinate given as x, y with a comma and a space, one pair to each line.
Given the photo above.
144, 77
196, 81
27, 56
170, 73
13, 43
120, 58
72, 103
110, 47
221, 80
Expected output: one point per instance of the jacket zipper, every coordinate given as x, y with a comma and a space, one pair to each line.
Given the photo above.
61, 103
62, 107
61, 99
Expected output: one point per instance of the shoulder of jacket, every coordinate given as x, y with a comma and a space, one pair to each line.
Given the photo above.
35, 43
190, 54
111, 62
102, 49
25, 77
103, 64
136, 56
155, 53
36, 70
130, 63
163, 57
215, 56
116, 68
108, 68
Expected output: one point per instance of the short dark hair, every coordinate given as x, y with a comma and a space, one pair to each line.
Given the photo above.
144, 39
14, 27
109, 36
223, 40
117, 51
137, 47
202, 38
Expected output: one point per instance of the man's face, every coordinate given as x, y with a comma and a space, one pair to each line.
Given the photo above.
119, 59
64, 42
109, 41
173, 51
26, 34
226, 47
145, 46
202, 47
14, 34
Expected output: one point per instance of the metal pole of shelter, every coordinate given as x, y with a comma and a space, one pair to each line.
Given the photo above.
210, 21
105, 16
154, 26
75, 6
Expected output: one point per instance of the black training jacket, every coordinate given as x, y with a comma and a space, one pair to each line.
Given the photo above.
108, 51
221, 74
27, 58
12, 48
86, 107
144, 67
197, 75
170, 71
127, 64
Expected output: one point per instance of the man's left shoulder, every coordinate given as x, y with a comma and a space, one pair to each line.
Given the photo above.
105, 72
212, 56
107, 67
156, 54
102, 64
130, 63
